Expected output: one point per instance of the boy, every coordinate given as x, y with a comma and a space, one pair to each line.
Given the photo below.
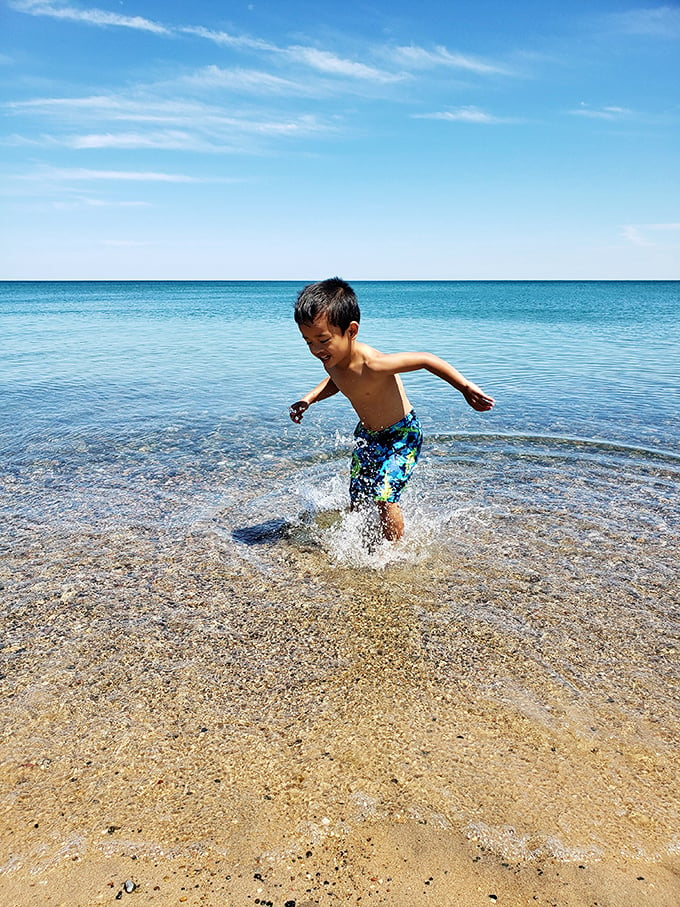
388, 436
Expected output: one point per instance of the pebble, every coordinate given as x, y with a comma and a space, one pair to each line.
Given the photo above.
129, 886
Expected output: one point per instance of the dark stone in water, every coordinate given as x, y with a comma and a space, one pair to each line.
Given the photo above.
269, 531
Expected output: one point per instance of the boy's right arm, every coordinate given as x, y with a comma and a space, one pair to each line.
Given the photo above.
322, 391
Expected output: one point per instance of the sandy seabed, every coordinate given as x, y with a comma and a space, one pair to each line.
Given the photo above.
212, 731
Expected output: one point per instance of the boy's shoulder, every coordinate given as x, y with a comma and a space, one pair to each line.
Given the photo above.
365, 358
366, 353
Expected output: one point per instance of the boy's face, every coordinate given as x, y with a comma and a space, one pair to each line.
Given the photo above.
327, 342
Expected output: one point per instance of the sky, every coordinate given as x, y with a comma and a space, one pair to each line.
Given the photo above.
384, 140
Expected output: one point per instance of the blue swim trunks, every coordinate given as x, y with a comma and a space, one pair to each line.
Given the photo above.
383, 460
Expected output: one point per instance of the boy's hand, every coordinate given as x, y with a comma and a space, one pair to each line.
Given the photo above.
297, 411
477, 399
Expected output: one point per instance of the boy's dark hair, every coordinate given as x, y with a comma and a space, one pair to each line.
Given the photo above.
333, 298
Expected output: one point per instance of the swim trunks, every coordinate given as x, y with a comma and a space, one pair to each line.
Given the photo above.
383, 460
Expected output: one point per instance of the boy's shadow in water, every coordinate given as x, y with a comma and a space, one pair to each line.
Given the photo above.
262, 533
301, 534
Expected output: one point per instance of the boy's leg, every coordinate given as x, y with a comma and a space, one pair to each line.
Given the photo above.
391, 520
381, 465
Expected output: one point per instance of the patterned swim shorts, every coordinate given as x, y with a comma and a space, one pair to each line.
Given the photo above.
383, 460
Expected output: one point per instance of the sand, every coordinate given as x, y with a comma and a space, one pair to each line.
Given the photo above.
212, 733
399, 864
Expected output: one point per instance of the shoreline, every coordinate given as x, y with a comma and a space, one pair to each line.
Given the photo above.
402, 864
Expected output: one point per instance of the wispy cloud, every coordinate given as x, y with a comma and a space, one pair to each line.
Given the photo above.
81, 174
646, 235
132, 108
420, 58
464, 115
601, 113
330, 64
170, 140
225, 39
660, 21
318, 59
113, 203
95, 16
252, 81
86, 202
178, 125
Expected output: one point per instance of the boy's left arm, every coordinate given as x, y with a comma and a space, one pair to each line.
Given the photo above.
394, 363
476, 398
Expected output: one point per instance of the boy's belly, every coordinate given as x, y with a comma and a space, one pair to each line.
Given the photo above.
383, 410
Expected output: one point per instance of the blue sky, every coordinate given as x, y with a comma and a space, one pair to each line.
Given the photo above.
379, 140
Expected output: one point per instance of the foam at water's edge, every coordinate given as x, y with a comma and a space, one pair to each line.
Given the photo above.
510, 844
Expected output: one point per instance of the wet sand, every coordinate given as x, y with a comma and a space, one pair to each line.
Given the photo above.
222, 733
386, 863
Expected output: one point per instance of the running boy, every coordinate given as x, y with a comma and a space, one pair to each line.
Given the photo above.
388, 436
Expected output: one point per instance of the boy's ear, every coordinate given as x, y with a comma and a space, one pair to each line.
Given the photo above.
353, 329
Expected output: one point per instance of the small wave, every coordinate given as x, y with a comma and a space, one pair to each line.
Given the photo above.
510, 844
553, 445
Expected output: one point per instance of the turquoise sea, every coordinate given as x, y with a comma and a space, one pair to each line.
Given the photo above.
165, 401
145, 422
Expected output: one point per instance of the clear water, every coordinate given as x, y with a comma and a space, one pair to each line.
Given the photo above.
146, 424
112, 389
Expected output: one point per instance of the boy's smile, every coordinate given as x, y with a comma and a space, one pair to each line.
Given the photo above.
327, 342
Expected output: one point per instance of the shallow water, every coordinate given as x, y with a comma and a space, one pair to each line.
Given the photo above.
195, 630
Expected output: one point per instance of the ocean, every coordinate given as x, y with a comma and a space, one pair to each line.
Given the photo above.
177, 559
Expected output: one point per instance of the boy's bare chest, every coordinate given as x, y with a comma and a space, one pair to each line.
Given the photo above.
362, 384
